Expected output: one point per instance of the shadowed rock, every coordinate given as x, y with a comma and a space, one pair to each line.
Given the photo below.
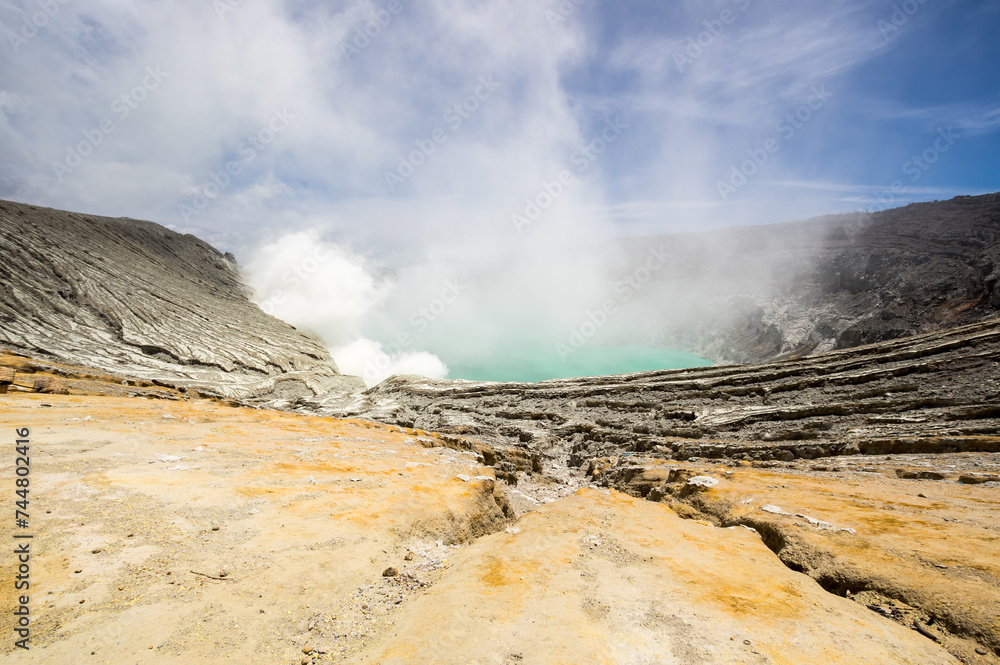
757, 293
937, 392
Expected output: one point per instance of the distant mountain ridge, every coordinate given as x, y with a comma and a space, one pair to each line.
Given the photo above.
135, 298
838, 281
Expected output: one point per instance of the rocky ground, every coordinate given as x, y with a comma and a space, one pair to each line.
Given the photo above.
934, 393
560, 528
183, 530
139, 300
913, 537
190, 532
206, 487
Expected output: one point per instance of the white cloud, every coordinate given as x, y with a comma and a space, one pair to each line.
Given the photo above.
315, 285
320, 181
367, 359
351, 120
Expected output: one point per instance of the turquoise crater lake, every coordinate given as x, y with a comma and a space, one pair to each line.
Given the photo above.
534, 365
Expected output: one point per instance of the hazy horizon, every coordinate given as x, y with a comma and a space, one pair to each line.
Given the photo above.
360, 156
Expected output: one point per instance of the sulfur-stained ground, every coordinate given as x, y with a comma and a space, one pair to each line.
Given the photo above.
913, 537
191, 532
138, 505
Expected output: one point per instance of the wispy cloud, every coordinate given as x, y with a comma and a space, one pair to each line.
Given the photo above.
410, 138
357, 113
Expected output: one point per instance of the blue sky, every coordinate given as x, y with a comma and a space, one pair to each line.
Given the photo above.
701, 86
358, 176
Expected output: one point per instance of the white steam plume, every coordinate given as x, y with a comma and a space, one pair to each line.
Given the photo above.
328, 291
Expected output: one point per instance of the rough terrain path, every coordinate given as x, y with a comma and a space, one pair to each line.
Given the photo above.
188, 531
191, 532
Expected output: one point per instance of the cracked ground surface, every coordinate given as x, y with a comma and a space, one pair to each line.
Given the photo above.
189, 531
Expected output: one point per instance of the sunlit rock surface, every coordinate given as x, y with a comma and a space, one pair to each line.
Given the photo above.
134, 297
188, 532
914, 538
219, 535
603, 578
584, 520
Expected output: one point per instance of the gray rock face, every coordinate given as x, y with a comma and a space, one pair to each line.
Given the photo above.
901, 282
785, 290
933, 393
135, 298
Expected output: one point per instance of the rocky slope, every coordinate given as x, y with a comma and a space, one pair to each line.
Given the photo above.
118, 293
765, 292
832, 507
135, 298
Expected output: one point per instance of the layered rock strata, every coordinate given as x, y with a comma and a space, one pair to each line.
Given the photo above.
138, 299
937, 392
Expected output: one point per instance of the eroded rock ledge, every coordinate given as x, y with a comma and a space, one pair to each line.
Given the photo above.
938, 392
889, 532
